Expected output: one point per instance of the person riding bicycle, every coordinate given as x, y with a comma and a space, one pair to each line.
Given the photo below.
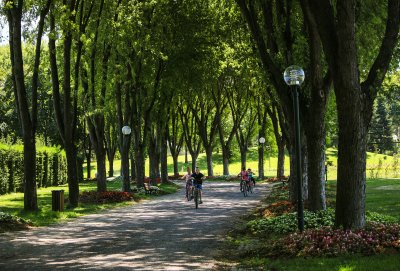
244, 177
251, 178
189, 183
198, 178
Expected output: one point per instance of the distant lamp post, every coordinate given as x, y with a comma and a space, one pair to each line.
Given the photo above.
261, 158
126, 131
294, 77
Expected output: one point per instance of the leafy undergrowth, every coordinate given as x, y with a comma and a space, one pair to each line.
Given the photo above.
271, 234
13, 223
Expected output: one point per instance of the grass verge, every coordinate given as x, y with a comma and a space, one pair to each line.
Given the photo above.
249, 248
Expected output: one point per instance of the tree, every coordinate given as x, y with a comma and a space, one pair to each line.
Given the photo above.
276, 28
28, 118
66, 106
380, 134
336, 23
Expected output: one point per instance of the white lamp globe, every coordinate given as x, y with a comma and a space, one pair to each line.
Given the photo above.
126, 130
294, 75
261, 140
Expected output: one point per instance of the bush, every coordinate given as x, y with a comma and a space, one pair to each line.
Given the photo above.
287, 223
51, 167
105, 197
10, 222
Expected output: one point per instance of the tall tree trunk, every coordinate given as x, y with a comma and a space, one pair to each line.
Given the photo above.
243, 158
111, 164
194, 161
210, 171
30, 193
140, 165
133, 167
96, 132
225, 160
176, 168
164, 158
280, 172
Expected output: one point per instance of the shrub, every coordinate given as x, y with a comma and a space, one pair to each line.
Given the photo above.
105, 197
10, 222
287, 223
50, 167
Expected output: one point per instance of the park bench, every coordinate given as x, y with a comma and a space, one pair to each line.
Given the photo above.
285, 181
150, 189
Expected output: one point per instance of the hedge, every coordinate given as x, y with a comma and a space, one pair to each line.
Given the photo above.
51, 167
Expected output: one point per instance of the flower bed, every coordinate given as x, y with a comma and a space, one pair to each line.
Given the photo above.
374, 239
105, 197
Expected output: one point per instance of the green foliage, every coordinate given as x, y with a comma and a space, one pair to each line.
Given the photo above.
11, 222
287, 223
51, 168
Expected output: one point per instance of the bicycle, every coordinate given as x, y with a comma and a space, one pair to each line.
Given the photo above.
196, 196
250, 186
189, 185
244, 186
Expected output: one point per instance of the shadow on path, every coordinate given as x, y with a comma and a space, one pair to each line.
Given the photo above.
165, 233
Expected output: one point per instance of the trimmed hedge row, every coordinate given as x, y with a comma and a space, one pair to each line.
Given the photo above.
51, 167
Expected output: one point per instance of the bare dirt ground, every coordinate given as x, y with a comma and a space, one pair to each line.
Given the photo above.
166, 233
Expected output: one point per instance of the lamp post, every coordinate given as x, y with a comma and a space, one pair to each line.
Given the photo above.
126, 131
261, 158
87, 151
294, 77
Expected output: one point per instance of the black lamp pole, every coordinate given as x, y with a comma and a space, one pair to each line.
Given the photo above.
299, 181
294, 77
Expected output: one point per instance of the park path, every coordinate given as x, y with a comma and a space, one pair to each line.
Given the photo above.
166, 233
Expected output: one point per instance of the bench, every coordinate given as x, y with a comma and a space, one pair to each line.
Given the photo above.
285, 181
149, 189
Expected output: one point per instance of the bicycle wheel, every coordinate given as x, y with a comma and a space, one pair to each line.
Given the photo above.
245, 189
250, 188
187, 192
196, 197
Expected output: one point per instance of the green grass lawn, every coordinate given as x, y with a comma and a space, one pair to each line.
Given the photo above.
344, 263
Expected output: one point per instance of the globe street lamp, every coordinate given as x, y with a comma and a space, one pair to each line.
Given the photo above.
294, 77
126, 131
261, 158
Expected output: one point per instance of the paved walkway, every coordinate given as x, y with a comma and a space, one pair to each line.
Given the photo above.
163, 234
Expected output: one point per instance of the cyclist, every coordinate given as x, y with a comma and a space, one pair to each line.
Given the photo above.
188, 178
251, 178
198, 178
244, 177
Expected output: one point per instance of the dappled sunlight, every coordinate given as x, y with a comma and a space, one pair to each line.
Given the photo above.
164, 233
